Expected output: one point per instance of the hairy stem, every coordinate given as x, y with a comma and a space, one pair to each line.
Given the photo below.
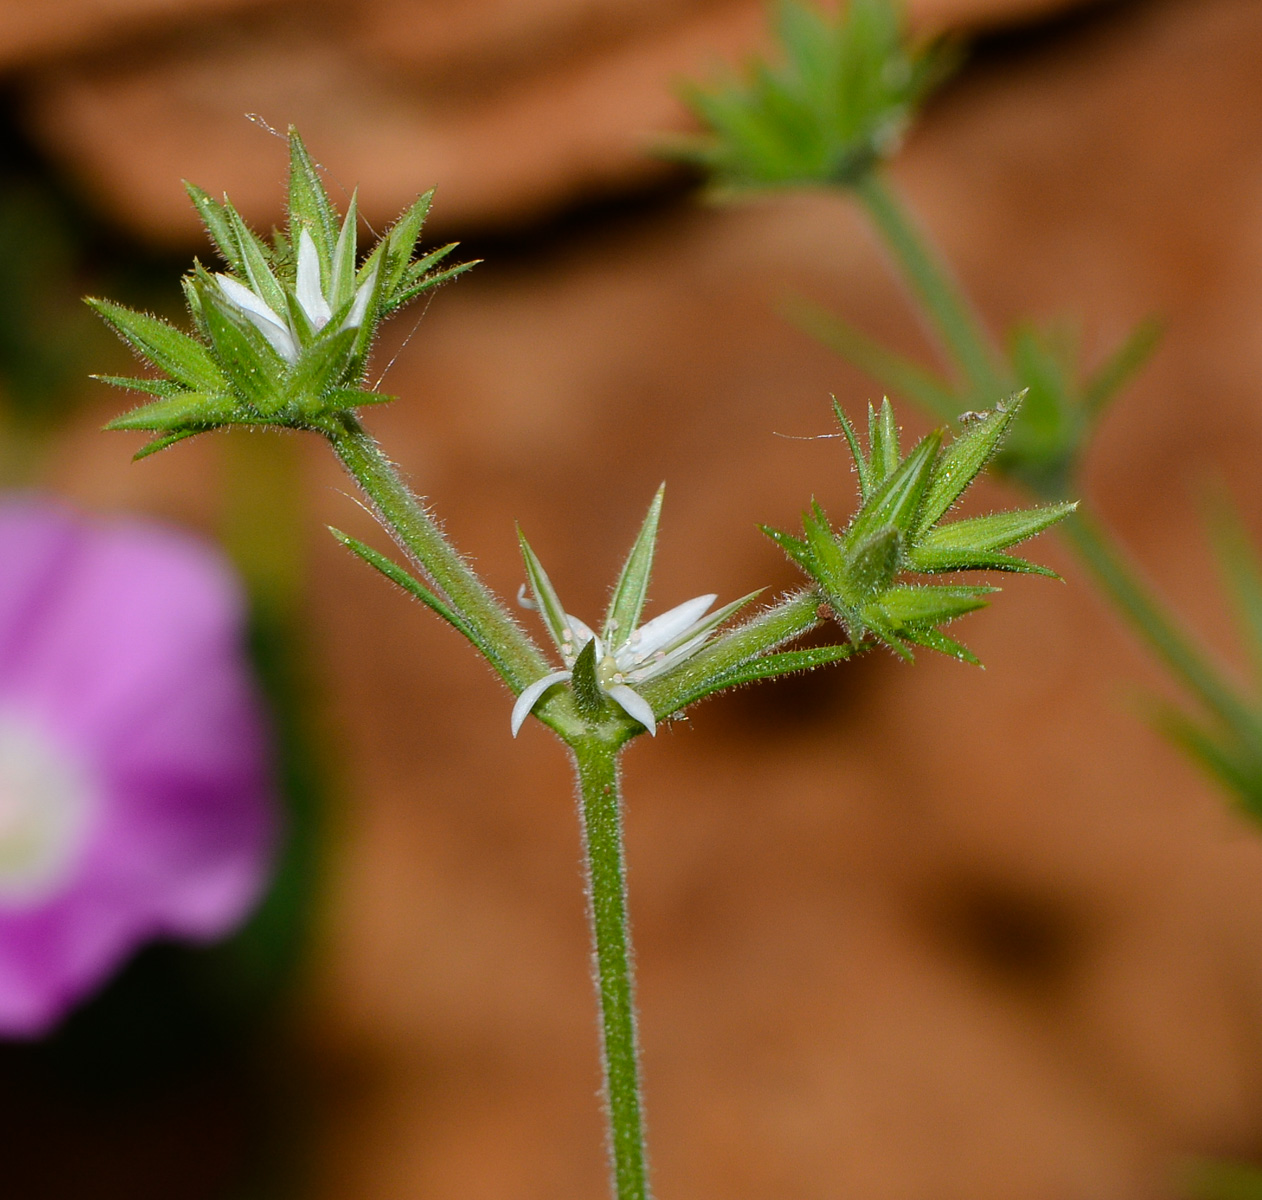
1157, 627
601, 814
518, 659
930, 280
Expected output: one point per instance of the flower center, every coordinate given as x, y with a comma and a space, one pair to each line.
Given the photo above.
608, 672
47, 802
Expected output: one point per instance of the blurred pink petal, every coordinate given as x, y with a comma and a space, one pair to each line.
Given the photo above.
135, 799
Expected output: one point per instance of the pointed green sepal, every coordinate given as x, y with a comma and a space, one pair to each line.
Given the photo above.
545, 597
161, 443
629, 594
883, 440
997, 531
587, 693
171, 351
963, 459
856, 452
911, 606
897, 501
309, 205
176, 412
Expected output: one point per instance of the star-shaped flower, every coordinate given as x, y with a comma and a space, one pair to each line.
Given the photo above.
624, 654
286, 334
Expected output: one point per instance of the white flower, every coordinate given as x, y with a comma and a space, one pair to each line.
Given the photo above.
623, 661
309, 292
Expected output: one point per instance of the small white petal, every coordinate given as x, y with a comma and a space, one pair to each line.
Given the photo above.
524, 600
308, 290
582, 634
633, 704
359, 306
530, 697
261, 316
656, 633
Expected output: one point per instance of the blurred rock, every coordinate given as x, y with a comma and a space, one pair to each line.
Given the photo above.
513, 110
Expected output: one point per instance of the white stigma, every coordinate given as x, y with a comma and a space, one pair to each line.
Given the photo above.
47, 806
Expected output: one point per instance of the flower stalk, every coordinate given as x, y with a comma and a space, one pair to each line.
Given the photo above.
600, 812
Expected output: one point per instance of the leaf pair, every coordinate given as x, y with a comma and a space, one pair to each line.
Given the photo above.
897, 530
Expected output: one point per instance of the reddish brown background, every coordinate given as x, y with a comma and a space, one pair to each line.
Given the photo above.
903, 933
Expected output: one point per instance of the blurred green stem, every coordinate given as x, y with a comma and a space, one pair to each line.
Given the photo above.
1159, 628
601, 812
930, 280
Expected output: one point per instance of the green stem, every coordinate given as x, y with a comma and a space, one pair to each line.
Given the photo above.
941, 296
601, 812
418, 533
1161, 630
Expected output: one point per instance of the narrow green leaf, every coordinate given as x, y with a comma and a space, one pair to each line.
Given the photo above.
828, 565
414, 587
893, 372
631, 590
996, 531
345, 399
161, 443
796, 549
162, 344
1225, 760
1241, 572
1121, 366
963, 459
545, 597
856, 452
935, 639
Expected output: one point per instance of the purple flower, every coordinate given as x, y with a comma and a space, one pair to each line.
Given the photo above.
134, 786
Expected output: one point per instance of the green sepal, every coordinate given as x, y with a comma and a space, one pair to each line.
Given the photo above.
342, 274
827, 562
938, 561
430, 281
150, 387
856, 452
962, 461
219, 229
345, 399
184, 359
796, 549
909, 606
309, 203
322, 363
589, 698
175, 412
897, 501
883, 441
253, 366
544, 594
401, 242
631, 590
997, 531
254, 260
870, 565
